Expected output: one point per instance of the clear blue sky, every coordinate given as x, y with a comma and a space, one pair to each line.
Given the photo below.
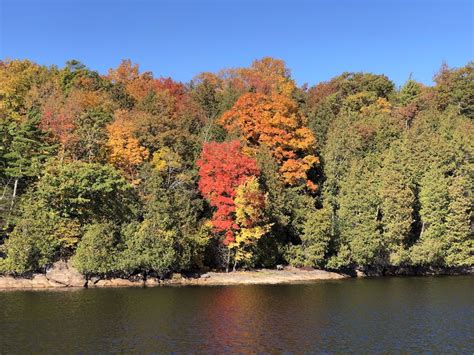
317, 39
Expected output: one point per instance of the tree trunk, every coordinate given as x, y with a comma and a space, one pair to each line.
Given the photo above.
208, 128
228, 261
235, 265
15, 186
5, 189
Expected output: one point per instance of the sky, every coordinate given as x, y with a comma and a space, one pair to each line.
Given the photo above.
317, 39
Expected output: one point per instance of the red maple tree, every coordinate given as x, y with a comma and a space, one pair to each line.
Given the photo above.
222, 168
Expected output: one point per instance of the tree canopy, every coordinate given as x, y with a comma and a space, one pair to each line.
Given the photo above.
129, 173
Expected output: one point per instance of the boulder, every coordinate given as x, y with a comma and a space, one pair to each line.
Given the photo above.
64, 273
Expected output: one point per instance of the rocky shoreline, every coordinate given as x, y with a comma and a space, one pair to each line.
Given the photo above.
62, 275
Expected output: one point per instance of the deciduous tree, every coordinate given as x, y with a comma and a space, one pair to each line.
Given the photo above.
251, 219
125, 151
274, 121
268, 76
222, 168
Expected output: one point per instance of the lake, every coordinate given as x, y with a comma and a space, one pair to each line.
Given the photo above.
410, 314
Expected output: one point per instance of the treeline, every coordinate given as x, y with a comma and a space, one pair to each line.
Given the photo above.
126, 173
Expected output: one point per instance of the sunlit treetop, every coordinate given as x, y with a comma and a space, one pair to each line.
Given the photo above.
276, 122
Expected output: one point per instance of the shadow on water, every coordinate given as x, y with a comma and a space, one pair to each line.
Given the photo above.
434, 314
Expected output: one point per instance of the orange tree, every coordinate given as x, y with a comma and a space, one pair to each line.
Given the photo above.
125, 151
275, 122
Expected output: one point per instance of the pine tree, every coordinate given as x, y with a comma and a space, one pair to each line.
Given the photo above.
27, 151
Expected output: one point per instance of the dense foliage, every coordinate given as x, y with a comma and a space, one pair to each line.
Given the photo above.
126, 173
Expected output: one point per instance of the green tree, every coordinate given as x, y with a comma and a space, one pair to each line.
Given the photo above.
409, 92
76, 75
98, 250
39, 238
174, 206
434, 200
26, 151
359, 218
287, 209
316, 239
397, 205
149, 249
209, 97
459, 235
88, 192
353, 83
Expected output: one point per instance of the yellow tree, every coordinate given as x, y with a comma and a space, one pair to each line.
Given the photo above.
268, 76
17, 79
274, 121
125, 151
250, 218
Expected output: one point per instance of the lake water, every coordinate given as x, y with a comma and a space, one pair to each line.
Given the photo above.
434, 314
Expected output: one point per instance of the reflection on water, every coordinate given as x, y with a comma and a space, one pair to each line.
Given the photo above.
376, 315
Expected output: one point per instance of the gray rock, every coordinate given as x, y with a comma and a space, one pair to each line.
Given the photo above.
64, 273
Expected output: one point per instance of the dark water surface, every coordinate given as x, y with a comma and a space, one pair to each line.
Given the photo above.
434, 314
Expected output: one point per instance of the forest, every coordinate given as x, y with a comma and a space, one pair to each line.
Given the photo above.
125, 173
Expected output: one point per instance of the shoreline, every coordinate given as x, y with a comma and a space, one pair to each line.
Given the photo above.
62, 276
255, 277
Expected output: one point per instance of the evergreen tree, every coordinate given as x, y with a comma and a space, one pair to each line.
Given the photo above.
359, 217
98, 250
434, 199
459, 234
397, 205
409, 92
315, 240
26, 152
